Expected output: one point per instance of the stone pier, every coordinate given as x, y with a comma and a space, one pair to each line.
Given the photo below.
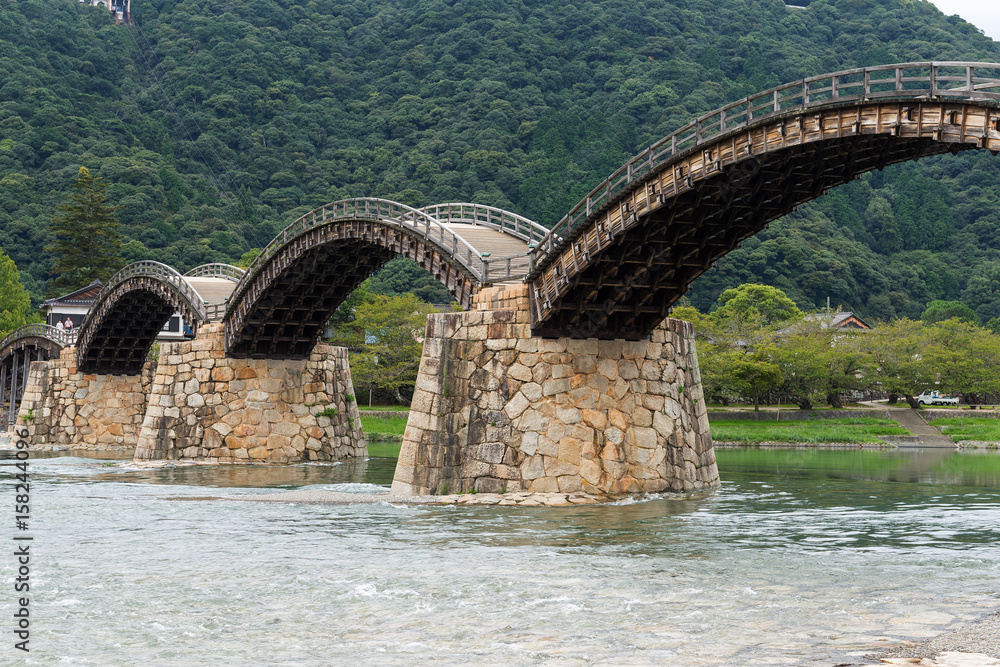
62, 406
497, 410
206, 406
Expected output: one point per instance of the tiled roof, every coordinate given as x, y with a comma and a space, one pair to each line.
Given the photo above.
85, 296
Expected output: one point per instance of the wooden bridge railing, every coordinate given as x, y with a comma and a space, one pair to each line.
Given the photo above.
393, 214
217, 270
60, 336
491, 217
927, 80
158, 271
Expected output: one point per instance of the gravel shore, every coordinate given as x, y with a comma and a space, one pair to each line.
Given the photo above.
506, 499
975, 645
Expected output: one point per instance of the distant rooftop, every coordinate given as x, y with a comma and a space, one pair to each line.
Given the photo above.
85, 296
843, 319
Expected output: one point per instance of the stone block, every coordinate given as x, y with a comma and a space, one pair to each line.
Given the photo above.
569, 483
553, 387
529, 443
517, 405
544, 485
569, 450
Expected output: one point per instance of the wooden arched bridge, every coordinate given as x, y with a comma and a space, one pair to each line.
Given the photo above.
308, 270
618, 261
615, 264
280, 305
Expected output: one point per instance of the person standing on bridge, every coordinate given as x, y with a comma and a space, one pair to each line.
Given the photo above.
69, 324
59, 325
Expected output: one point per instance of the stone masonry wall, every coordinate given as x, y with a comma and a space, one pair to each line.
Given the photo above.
208, 407
496, 410
81, 410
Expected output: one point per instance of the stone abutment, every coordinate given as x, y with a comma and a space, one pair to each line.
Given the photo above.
497, 410
206, 406
62, 406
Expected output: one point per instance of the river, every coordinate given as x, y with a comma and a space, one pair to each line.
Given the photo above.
801, 558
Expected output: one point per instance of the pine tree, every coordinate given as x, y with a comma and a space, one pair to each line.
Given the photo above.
87, 243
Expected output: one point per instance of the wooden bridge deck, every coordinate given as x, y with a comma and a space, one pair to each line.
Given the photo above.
494, 245
213, 290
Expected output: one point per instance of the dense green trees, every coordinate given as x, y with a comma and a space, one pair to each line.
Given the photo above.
15, 305
391, 329
938, 311
805, 361
86, 244
215, 125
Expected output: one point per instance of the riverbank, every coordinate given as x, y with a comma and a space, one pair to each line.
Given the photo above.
975, 645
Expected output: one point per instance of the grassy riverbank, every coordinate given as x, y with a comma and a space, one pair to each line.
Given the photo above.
969, 428
384, 436
852, 430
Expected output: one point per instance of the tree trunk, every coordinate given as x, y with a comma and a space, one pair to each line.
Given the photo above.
893, 398
834, 400
911, 401
804, 403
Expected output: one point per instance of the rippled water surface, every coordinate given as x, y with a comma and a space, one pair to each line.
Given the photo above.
802, 558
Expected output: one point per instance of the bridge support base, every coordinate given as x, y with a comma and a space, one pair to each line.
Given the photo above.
497, 410
205, 406
62, 406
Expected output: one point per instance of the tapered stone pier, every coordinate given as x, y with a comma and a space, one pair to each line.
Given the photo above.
62, 406
206, 406
497, 410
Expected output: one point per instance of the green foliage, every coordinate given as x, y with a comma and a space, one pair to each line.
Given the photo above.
809, 362
381, 429
402, 275
392, 330
247, 258
86, 243
938, 311
760, 304
982, 429
15, 305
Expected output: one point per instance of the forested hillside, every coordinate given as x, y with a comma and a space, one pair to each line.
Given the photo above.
218, 123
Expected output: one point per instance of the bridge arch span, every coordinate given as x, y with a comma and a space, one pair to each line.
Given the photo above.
129, 313
32, 342
619, 260
290, 291
49, 339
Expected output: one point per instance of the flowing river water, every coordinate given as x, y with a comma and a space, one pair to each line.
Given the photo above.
803, 557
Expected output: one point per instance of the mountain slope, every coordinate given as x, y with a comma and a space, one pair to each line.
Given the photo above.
218, 123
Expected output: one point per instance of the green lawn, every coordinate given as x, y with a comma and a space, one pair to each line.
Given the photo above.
848, 430
377, 428
969, 428
385, 408
384, 449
